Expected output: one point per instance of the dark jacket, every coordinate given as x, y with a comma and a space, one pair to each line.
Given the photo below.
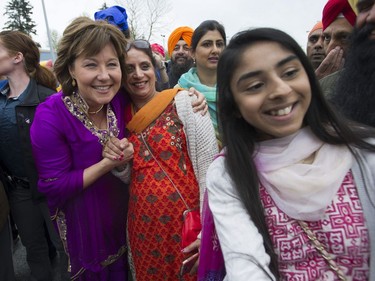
25, 112
4, 206
328, 83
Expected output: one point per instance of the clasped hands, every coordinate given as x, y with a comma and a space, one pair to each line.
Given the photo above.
121, 151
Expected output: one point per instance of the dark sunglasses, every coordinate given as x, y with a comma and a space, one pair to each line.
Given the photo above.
138, 44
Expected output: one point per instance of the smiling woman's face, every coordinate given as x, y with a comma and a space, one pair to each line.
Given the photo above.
271, 89
140, 77
98, 77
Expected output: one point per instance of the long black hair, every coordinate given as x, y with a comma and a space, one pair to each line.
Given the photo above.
239, 137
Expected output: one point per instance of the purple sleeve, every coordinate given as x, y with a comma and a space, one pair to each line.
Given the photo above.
58, 180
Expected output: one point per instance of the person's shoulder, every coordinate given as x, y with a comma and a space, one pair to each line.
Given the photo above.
217, 171
44, 92
51, 102
218, 164
3, 83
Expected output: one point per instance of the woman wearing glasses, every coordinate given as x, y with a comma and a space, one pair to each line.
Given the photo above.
173, 147
87, 202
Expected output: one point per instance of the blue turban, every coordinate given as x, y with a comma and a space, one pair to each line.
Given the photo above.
115, 15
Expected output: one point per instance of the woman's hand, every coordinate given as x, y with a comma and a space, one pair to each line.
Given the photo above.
116, 154
120, 150
192, 248
200, 104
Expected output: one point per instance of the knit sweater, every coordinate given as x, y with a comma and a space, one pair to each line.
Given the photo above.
200, 135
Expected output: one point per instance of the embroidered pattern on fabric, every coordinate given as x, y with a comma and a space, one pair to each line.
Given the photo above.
78, 108
113, 258
61, 225
342, 231
154, 217
173, 126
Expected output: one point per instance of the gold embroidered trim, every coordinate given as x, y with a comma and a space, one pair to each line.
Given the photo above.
78, 108
112, 258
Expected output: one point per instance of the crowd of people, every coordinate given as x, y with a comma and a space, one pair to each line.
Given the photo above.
111, 156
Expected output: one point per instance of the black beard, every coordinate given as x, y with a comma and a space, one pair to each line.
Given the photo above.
179, 69
355, 91
176, 70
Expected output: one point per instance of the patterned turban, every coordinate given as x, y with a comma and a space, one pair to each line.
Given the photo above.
334, 8
183, 32
317, 26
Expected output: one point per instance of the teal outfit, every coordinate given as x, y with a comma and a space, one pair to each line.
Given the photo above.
191, 79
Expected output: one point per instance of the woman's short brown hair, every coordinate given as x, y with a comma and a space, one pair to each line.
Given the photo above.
84, 36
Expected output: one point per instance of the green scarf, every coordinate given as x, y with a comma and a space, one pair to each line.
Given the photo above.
191, 79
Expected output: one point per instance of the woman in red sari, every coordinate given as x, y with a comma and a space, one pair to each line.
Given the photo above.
173, 147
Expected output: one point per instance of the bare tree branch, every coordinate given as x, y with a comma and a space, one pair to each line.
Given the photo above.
146, 18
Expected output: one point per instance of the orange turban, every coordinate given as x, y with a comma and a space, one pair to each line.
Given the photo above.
317, 26
183, 32
333, 8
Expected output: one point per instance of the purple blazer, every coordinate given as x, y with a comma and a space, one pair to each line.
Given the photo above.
91, 222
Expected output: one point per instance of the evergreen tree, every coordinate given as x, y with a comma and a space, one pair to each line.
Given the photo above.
19, 14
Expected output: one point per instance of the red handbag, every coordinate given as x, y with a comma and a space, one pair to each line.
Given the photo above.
191, 228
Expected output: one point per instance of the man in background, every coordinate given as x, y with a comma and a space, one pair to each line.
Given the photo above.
338, 20
355, 91
180, 54
314, 48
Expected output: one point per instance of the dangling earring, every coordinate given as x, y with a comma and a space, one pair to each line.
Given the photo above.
74, 82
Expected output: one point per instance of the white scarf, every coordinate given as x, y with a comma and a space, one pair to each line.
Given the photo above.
302, 191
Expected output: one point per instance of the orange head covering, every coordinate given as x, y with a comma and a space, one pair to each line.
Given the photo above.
318, 25
334, 8
183, 32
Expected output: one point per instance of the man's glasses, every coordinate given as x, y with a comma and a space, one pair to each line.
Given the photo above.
138, 44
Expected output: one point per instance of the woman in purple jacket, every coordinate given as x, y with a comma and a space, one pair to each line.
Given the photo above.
87, 202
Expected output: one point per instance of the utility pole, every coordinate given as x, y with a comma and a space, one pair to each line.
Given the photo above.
48, 34
163, 35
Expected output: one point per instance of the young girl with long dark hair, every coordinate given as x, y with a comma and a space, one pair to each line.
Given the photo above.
292, 193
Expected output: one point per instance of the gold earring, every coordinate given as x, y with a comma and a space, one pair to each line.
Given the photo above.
74, 82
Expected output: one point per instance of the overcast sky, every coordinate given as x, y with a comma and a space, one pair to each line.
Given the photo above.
296, 17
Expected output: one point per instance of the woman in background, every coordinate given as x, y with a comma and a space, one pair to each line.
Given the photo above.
26, 85
162, 80
208, 41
